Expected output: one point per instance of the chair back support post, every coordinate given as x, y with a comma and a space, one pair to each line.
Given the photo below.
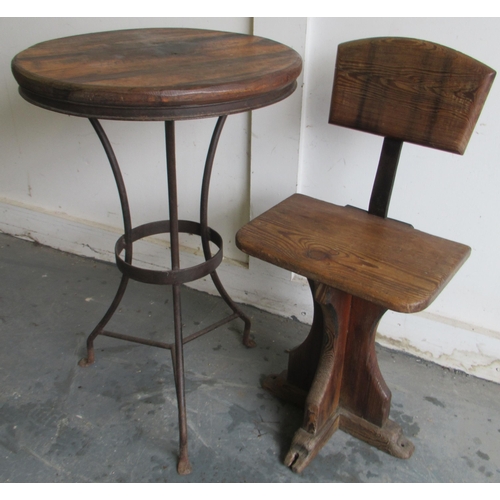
386, 175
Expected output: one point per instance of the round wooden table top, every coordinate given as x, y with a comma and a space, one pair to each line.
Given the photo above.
156, 74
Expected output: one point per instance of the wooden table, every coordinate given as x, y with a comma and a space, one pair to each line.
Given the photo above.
160, 74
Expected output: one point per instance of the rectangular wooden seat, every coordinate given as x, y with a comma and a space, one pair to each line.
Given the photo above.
379, 260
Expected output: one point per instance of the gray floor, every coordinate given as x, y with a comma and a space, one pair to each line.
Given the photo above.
116, 421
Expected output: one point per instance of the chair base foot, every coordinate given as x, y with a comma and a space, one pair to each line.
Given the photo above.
305, 445
388, 438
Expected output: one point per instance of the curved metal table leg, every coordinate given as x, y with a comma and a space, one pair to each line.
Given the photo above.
127, 224
98, 330
247, 341
183, 464
176, 276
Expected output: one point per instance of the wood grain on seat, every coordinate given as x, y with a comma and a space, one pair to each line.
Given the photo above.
380, 260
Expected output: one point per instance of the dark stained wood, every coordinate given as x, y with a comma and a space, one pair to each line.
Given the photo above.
364, 391
359, 264
411, 90
303, 360
347, 390
386, 175
379, 260
388, 437
324, 393
157, 73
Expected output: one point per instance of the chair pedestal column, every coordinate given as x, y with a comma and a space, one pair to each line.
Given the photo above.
334, 374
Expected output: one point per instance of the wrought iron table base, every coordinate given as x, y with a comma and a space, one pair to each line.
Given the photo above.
176, 276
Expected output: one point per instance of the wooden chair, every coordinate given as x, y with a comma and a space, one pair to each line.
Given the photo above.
360, 264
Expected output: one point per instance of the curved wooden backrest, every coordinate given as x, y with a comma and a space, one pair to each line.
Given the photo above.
410, 90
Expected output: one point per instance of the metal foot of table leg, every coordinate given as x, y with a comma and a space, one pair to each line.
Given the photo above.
183, 464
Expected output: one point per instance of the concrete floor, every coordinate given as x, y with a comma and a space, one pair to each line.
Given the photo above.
116, 421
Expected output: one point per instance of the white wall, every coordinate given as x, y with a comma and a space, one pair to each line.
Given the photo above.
56, 186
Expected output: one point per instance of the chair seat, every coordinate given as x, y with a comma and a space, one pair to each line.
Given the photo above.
380, 260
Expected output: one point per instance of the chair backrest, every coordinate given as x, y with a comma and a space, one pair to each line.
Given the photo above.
407, 90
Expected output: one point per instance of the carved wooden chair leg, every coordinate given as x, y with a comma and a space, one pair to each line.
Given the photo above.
365, 398
335, 375
292, 385
321, 414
